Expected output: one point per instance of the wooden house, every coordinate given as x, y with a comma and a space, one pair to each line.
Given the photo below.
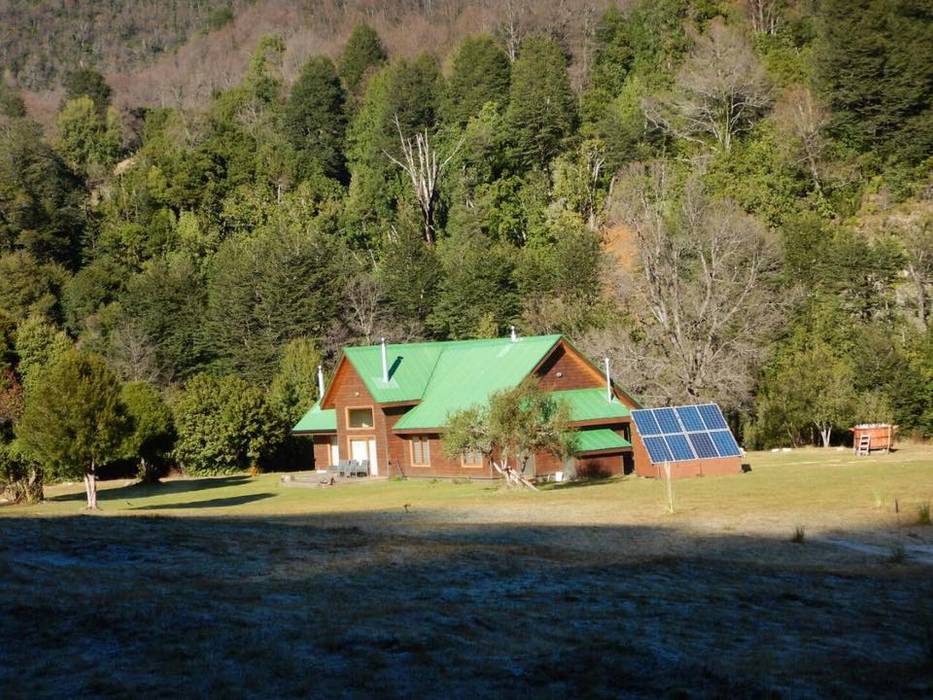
387, 405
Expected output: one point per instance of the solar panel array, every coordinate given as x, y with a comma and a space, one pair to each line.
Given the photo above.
685, 433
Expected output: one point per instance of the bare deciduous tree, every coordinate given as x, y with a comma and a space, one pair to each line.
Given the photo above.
765, 15
421, 163
912, 224
700, 302
365, 304
801, 116
513, 27
132, 355
721, 90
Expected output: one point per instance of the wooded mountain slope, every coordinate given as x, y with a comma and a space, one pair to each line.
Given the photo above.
216, 221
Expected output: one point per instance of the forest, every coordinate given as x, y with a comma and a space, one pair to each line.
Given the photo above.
732, 200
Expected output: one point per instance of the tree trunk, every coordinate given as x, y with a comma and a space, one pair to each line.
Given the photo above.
32, 488
826, 432
90, 485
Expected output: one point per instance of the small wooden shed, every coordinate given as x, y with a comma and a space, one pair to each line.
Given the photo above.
869, 437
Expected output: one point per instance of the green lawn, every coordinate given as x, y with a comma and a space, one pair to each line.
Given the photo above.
815, 487
241, 587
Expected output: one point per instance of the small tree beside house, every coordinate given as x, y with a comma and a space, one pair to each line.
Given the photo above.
516, 424
74, 421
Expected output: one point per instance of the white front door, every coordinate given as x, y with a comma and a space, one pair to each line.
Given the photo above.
365, 449
373, 459
359, 450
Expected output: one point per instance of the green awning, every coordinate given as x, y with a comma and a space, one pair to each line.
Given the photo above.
317, 421
591, 405
600, 440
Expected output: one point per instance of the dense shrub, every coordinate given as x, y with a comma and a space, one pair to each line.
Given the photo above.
224, 425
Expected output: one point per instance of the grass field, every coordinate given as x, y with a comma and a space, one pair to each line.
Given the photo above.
242, 587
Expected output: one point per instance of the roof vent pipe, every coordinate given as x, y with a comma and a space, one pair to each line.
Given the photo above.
385, 363
320, 382
608, 381
514, 334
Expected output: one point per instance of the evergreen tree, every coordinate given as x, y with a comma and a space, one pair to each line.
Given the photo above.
74, 421
152, 434
166, 302
89, 141
542, 110
41, 199
11, 102
476, 286
613, 57
408, 272
294, 388
314, 118
38, 344
27, 286
284, 283
363, 52
86, 82
876, 68
479, 73
402, 97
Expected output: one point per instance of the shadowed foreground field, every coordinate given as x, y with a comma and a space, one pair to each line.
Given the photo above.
238, 587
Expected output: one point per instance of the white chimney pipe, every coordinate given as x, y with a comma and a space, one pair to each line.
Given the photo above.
320, 382
608, 381
385, 363
514, 334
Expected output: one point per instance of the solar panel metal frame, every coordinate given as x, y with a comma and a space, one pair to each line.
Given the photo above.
680, 434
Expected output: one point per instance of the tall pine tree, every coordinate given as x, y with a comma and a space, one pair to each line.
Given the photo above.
542, 111
314, 118
876, 68
363, 52
479, 73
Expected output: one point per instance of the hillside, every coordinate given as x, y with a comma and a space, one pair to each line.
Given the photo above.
181, 52
728, 199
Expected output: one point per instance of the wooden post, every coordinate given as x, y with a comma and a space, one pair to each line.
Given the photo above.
670, 487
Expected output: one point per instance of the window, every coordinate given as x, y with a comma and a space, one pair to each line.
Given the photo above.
420, 451
360, 418
472, 459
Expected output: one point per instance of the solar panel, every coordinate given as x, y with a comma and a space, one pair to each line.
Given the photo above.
680, 448
712, 417
725, 443
667, 419
703, 445
685, 433
646, 423
657, 450
690, 418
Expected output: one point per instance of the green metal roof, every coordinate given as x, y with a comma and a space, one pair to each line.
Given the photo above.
410, 369
317, 421
599, 439
463, 374
591, 404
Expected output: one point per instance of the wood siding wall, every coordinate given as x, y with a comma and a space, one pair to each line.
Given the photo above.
321, 451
